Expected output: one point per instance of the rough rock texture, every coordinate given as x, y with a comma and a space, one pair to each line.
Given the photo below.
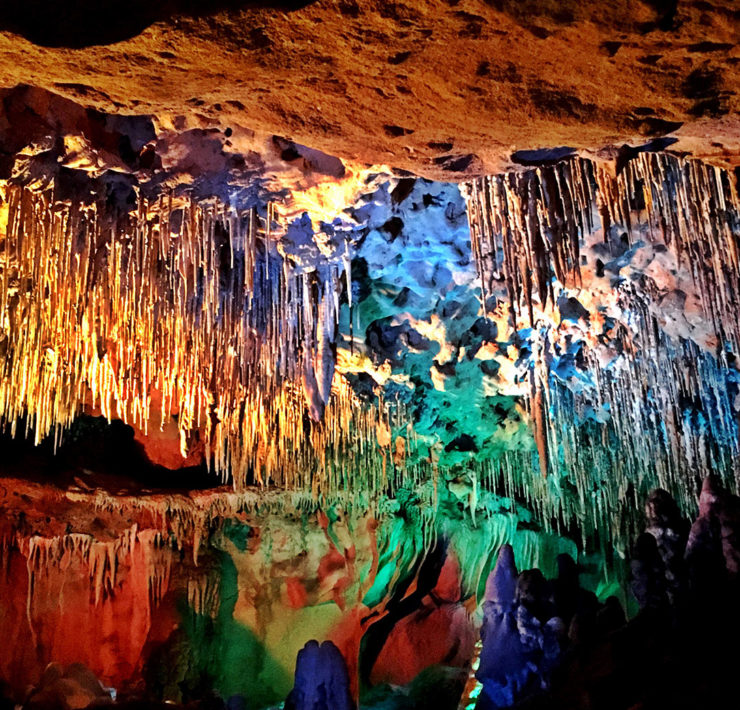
167, 591
675, 653
439, 632
67, 688
443, 88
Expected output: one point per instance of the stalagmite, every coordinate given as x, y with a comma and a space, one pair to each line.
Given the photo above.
321, 680
502, 669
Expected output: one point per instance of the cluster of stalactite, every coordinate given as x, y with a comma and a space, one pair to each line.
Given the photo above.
103, 560
695, 209
662, 411
670, 417
660, 415
178, 309
189, 521
170, 531
525, 226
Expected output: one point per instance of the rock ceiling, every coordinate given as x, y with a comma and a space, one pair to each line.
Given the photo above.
441, 88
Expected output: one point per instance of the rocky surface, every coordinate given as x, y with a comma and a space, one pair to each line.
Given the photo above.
677, 652
321, 679
442, 88
66, 689
529, 626
211, 595
172, 594
421, 422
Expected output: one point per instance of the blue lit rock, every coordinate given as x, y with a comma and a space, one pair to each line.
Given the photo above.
321, 680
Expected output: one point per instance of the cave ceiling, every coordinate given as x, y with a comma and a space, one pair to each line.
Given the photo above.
445, 89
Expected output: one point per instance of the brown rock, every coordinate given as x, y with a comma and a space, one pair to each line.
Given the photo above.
335, 75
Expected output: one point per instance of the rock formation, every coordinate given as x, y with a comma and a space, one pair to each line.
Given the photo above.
321, 680
529, 623
421, 86
317, 319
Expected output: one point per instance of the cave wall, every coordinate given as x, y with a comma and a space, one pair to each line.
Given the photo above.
140, 612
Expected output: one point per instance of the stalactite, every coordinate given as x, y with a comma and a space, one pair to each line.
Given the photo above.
649, 425
103, 560
695, 209
188, 309
176, 308
526, 225
662, 411
204, 594
187, 521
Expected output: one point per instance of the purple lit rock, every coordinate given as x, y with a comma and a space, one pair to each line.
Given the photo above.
321, 679
501, 583
504, 668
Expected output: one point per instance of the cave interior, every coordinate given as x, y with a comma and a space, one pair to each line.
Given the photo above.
369, 355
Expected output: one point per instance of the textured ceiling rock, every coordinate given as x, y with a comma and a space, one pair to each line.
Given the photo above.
445, 89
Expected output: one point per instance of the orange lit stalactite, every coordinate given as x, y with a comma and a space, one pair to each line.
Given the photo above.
176, 308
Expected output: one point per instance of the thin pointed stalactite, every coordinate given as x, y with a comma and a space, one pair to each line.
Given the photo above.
525, 227
662, 412
177, 309
103, 562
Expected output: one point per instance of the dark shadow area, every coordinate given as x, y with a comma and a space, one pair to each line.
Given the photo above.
678, 652
543, 156
95, 454
85, 23
654, 662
